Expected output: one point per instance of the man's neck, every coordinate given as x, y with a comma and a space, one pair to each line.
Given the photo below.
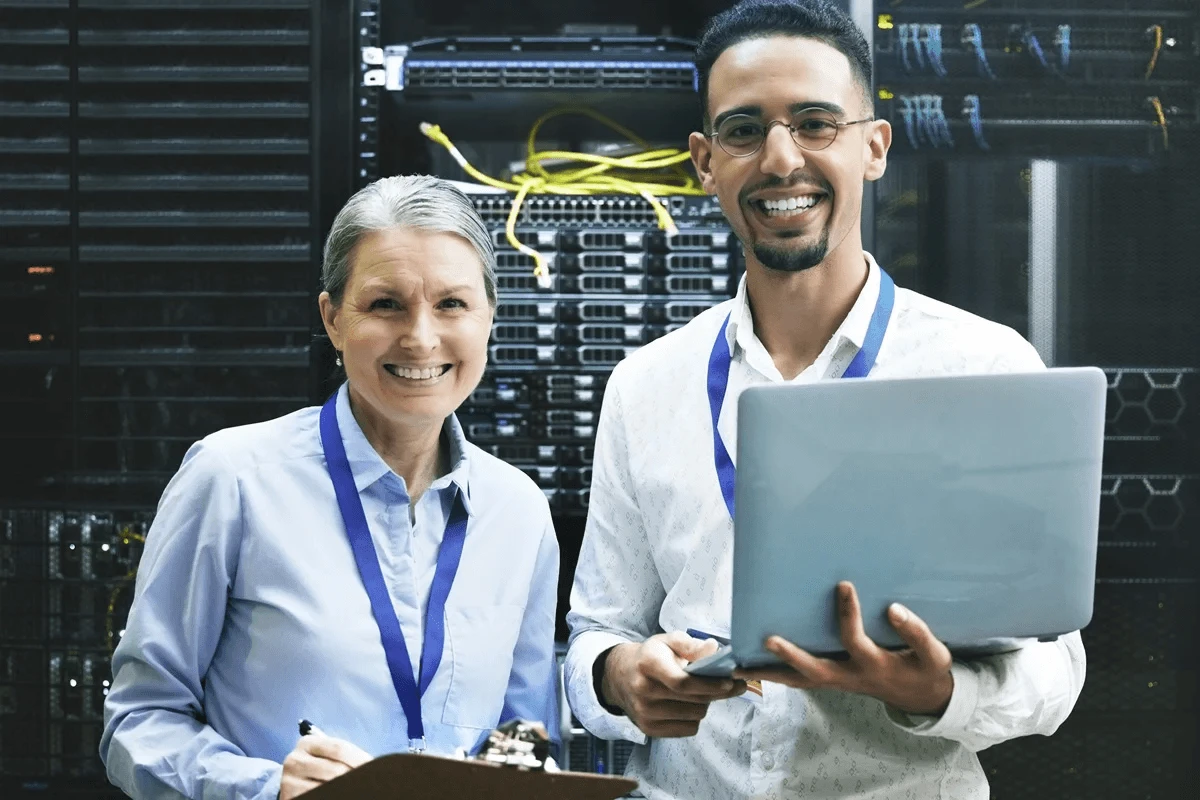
796, 313
412, 451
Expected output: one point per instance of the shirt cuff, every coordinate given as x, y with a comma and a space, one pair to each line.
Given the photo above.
270, 789
964, 699
581, 689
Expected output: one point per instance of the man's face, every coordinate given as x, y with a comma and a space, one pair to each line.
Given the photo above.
790, 206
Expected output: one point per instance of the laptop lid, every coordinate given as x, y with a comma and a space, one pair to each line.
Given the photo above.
973, 500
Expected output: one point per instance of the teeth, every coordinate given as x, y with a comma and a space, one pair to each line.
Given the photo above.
416, 374
790, 203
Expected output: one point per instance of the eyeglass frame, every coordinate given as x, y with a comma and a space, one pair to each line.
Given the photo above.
791, 131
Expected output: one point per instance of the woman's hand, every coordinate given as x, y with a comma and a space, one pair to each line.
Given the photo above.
317, 758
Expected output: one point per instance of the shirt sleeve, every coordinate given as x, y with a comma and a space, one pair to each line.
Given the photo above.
617, 594
156, 743
532, 692
1002, 697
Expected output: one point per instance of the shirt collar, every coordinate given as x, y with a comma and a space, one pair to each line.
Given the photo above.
369, 467
853, 328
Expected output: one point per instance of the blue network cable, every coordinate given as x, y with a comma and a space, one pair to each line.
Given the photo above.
933, 45
904, 31
924, 132
972, 37
906, 113
931, 121
1063, 39
1035, 47
975, 117
935, 120
943, 127
918, 51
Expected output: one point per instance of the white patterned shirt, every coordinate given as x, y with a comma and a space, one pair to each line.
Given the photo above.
657, 556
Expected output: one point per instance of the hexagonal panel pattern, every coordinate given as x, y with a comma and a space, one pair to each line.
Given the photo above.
1149, 402
1148, 509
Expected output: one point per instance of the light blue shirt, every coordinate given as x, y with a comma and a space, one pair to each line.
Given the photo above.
249, 612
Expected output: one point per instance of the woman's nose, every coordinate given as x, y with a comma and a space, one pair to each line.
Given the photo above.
420, 334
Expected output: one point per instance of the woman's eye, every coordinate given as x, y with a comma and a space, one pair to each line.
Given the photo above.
453, 302
383, 303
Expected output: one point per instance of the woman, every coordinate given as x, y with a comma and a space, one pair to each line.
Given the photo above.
359, 565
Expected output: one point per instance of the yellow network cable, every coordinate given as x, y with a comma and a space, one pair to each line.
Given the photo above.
1158, 42
650, 174
1162, 119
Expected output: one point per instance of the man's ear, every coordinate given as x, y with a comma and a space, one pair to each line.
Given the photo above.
701, 149
330, 316
875, 149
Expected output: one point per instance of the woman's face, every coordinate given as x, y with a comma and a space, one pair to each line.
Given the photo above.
413, 324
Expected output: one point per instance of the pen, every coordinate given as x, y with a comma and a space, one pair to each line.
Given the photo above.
697, 634
306, 727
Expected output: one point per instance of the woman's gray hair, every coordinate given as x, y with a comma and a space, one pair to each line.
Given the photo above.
420, 202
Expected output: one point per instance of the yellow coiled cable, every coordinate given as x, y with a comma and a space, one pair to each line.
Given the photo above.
651, 173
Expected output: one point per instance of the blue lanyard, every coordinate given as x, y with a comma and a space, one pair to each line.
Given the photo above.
718, 377
449, 554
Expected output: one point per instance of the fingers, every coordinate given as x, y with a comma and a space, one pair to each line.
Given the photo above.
675, 710
817, 670
662, 718
672, 730
659, 696
290, 787
850, 624
659, 663
695, 689
688, 647
306, 766
916, 634
338, 750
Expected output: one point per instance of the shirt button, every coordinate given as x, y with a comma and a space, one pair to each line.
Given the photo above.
768, 761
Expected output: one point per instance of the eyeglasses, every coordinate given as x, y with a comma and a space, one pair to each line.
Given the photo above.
812, 129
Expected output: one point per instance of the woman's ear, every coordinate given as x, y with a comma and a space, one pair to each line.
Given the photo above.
330, 317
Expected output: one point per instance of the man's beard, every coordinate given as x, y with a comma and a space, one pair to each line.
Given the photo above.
782, 259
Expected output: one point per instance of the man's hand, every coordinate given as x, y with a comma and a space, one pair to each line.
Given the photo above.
916, 680
648, 683
317, 758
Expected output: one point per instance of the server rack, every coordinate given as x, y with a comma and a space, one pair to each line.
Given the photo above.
1017, 128
157, 190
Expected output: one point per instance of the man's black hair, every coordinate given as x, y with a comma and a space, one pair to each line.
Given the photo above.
756, 19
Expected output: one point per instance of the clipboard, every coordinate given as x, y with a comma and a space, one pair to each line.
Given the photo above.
422, 777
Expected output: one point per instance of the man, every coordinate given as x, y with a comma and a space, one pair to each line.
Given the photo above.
788, 142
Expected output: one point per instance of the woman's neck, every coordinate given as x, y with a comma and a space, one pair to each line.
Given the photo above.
412, 451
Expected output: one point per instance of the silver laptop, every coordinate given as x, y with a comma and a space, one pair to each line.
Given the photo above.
973, 500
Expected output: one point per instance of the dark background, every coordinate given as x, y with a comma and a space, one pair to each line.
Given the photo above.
169, 168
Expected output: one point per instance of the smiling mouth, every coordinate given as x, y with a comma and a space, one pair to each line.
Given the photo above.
415, 374
788, 206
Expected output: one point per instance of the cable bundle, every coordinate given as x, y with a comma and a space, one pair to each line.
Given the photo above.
650, 173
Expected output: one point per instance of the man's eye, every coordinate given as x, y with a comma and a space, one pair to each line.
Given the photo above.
383, 303
816, 126
745, 130
453, 302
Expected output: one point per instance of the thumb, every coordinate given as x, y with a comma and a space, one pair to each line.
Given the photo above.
688, 647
